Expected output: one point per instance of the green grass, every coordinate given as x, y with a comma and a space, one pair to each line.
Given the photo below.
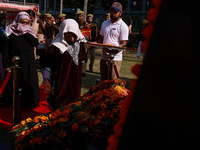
129, 59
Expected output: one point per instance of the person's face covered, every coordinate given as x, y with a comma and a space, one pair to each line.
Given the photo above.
24, 22
70, 37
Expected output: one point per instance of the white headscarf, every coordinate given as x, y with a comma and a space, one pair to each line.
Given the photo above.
19, 29
69, 25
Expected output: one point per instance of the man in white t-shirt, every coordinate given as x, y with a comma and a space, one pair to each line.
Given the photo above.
113, 31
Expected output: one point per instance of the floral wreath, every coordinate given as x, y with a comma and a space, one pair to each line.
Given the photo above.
147, 33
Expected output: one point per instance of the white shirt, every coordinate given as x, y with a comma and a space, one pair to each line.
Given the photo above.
113, 33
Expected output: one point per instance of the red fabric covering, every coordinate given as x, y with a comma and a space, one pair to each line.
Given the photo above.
6, 113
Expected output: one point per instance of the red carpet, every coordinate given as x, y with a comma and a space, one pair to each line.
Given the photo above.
6, 113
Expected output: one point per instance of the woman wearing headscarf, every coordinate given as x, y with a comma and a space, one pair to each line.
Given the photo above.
64, 60
21, 40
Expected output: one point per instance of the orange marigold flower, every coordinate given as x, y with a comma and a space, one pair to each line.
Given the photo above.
23, 134
103, 106
44, 118
55, 121
37, 119
58, 112
38, 140
65, 113
74, 126
51, 123
50, 116
66, 119
23, 122
37, 128
15, 127
54, 116
96, 99
28, 132
61, 119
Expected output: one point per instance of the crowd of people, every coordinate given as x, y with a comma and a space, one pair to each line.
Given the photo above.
64, 61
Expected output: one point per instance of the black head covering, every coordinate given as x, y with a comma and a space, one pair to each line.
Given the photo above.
165, 110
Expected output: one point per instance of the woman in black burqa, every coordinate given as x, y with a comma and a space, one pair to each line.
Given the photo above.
21, 41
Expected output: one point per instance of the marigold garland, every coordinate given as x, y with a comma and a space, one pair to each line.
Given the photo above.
151, 16
90, 118
147, 33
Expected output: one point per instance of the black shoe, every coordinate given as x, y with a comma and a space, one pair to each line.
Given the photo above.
90, 69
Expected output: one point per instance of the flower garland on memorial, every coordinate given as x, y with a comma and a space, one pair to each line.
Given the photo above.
147, 33
90, 119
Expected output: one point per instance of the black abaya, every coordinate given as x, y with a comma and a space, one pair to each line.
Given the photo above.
23, 46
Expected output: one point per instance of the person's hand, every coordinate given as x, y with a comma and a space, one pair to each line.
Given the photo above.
93, 42
122, 46
112, 51
7, 69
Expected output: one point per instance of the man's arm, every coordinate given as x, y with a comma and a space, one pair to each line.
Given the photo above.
123, 43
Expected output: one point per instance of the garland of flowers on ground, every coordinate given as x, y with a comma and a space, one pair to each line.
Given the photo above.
90, 119
147, 33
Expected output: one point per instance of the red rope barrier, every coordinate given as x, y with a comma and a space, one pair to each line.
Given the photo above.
5, 82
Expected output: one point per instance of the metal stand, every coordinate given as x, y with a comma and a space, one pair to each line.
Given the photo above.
16, 99
110, 64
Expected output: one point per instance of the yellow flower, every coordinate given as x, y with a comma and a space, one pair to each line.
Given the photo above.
28, 120
50, 116
23, 122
